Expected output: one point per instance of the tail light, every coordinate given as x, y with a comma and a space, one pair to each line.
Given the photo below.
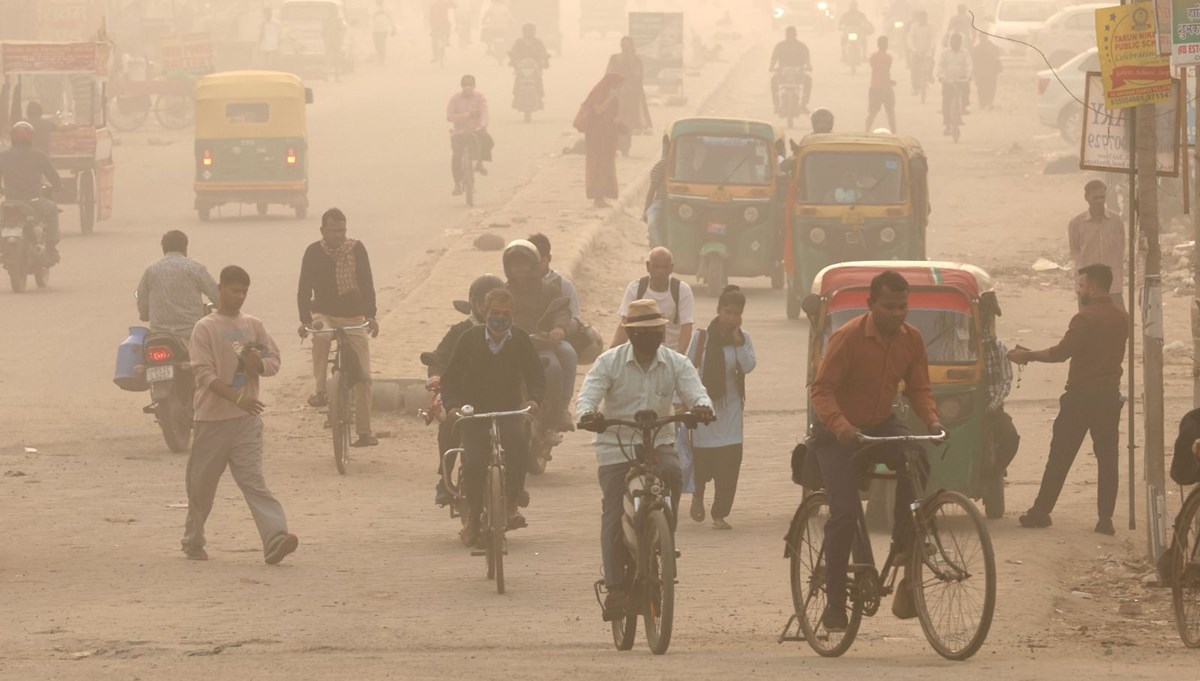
159, 353
1043, 83
291, 157
206, 160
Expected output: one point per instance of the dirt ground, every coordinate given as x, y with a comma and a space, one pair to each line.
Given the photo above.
94, 587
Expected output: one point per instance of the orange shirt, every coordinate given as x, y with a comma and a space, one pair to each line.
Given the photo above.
881, 70
857, 381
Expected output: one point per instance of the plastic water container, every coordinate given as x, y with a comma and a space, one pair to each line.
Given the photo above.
129, 359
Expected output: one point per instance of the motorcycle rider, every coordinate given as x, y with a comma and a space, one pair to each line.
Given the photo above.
42, 127
487, 370
568, 357
447, 438
529, 47
790, 53
468, 111
22, 169
543, 312
639, 374
171, 294
854, 21
497, 26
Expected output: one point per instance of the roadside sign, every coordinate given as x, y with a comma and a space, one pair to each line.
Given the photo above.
191, 54
1185, 32
658, 38
1105, 139
1162, 25
1133, 72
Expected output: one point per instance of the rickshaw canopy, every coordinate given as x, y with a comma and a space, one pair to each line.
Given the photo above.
972, 281
252, 104
723, 126
851, 140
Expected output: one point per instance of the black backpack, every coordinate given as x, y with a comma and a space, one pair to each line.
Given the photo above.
644, 285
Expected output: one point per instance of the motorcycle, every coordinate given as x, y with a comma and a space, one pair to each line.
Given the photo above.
23, 245
854, 50
527, 90
789, 93
172, 388
497, 45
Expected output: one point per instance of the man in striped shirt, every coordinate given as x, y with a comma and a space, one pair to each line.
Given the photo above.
171, 293
1097, 236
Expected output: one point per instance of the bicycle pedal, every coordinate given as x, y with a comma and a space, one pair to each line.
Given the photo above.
678, 553
477, 554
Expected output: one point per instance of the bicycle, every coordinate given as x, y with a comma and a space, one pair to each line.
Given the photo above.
920, 65
955, 90
650, 566
1185, 570
342, 381
495, 504
950, 549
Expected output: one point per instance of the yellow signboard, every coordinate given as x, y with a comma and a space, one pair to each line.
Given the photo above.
1133, 71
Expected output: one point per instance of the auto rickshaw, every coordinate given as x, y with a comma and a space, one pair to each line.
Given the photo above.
722, 215
853, 196
955, 308
251, 143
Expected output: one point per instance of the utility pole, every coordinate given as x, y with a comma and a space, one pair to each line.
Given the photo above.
1152, 326
1195, 254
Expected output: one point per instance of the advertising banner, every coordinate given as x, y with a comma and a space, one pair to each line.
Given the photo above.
191, 54
1105, 139
1133, 72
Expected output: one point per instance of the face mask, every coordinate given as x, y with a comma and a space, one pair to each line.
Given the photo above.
499, 324
646, 343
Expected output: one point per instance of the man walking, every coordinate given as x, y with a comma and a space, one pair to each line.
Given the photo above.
171, 294
382, 27
673, 297
1092, 402
229, 352
337, 290
987, 64
1098, 236
882, 92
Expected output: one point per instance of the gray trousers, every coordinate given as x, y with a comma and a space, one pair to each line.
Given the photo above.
236, 443
613, 485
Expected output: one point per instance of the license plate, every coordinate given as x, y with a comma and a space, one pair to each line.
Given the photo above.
853, 237
716, 228
12, 233
159, 374
854, 218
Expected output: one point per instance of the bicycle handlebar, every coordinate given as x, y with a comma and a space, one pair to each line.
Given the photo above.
467, 413
335, 329
867, 439
600, 426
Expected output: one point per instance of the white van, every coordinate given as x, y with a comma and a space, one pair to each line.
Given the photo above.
1017, 18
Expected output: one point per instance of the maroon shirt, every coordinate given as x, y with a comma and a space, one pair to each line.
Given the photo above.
1095, 344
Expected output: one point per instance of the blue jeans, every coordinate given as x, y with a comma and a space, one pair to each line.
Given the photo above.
654, 224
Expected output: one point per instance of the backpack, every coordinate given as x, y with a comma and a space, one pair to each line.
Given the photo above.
644, 285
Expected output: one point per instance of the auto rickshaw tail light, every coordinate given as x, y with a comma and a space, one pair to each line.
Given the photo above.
207, 159
291, 157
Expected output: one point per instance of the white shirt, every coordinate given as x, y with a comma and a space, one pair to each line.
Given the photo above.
954, 66
625, 388
666, 305
270, 36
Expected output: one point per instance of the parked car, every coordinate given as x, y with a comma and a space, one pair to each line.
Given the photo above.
1016, 18
1057, 108
1065, 34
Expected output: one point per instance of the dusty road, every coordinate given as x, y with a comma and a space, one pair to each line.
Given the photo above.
94, 586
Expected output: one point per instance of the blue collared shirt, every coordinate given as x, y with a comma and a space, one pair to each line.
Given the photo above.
625, 388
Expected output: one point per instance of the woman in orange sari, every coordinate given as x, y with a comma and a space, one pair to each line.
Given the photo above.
597, 120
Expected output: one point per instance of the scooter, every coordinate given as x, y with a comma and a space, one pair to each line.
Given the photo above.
172, 388
23, 248
854, 50
527, 96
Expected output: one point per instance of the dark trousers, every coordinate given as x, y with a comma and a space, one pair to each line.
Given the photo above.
447, 439
722, 465
986, 86
48, 211
841, 484
477, 446
1005, 440
481, 145
612, 484
1081, 412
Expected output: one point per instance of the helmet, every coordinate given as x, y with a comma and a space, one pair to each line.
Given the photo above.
21, 133
521, 247
481, 287
822, 120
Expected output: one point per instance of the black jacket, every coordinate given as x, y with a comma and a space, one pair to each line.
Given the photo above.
493, 382
22, 170
1185, 469
445, 349
318, 286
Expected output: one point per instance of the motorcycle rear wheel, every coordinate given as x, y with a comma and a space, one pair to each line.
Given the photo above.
175, 423
17, 276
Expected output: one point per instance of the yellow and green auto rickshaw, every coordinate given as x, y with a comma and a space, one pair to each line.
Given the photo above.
853, 197
251, 141
955, 308
722, 215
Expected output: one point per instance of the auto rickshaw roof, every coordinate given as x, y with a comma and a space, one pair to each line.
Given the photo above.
711, 125
250, 85
828, 139
969, 279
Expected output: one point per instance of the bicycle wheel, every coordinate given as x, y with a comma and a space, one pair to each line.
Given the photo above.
807, 545
625, 629
953, 573
468, 175
497, 514
1185, 592
175, 112
658, 581
339, 419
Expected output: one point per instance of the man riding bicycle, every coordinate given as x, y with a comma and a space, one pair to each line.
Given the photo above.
853, 393
954, 72
468, 111
636, 375
489, 366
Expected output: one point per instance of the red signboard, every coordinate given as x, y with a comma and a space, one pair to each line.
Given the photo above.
67, 20
54, 58
73, 142
192, 54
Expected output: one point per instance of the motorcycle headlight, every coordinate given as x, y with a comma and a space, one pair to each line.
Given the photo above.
887, 235
899, 24
750, 214
822, 6
778, 12
686, 211
817, 235
852, 36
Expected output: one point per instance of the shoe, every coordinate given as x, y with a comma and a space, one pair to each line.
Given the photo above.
480, 169
1105, 526
1035, 519
697, 509
365, 440
720, 524
318, 400
53, 256
614, 604
442, 496
195, 554
565, 423
469, 534
516, 521
284, 545
552, 438
457, 190
903, 605
523, 499
834, 618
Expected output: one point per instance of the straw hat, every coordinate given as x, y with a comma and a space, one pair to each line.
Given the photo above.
644, 313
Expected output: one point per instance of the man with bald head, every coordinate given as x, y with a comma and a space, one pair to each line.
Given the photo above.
674, 298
